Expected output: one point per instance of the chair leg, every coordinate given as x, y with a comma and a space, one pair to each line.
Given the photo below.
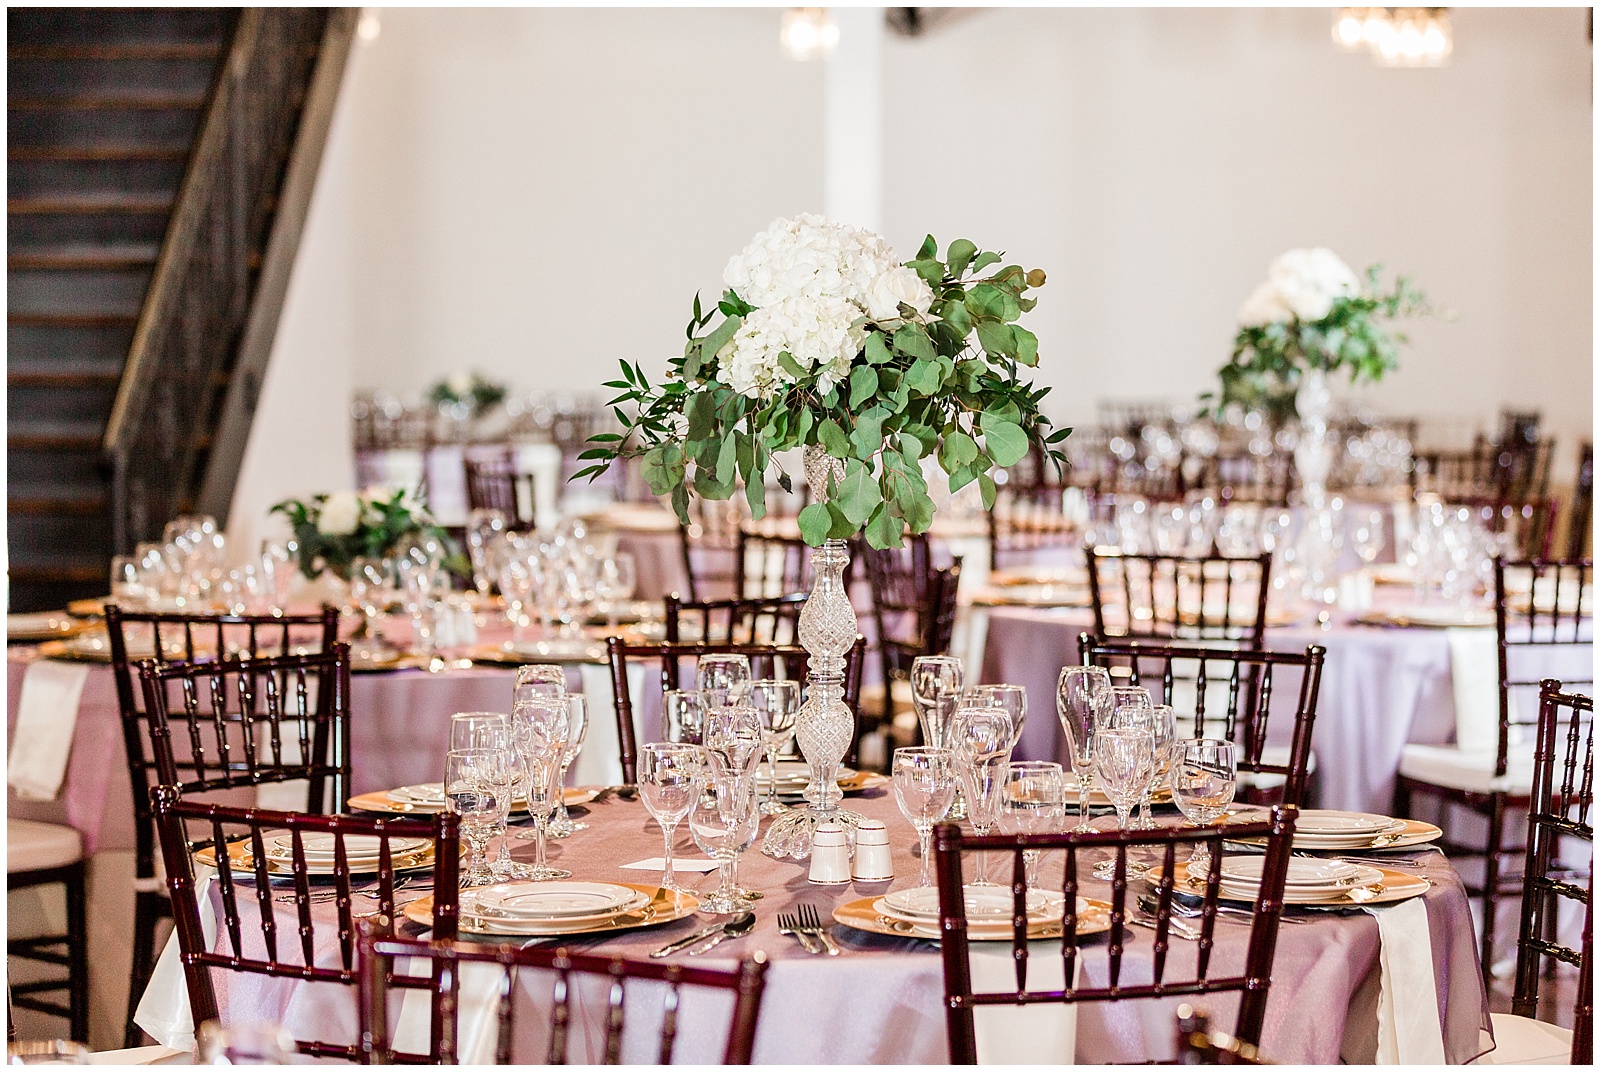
148, 912
1491, 882
78, 952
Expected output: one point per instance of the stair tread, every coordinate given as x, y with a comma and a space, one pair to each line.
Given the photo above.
94, 152
54, 501
84, 255
175, 50
151, 101
72, 320
36, 206
67, 373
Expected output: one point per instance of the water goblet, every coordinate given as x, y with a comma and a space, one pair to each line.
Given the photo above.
981, 739
479, 730
777, 704
1122, 703
1204, 776
1164, 735
1124, 759
540, 683
483, 525
669, 781
517, 581
924, 787
1012, 699
562, 824
1034, 803
473, 783
1082, 693
722, 679
935, 691
724, 823
683, 716
733, 739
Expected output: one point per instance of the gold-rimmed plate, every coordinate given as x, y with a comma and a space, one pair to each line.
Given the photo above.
1414, 832
379, 801
1393, 886
240, 858
663, 906
864, 916
44, 625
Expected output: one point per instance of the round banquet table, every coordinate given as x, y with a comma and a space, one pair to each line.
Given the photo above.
880, 1001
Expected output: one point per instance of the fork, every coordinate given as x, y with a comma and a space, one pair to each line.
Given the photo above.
788, 924
811, 924
324, 896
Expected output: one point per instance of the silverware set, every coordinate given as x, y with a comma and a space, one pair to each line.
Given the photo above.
708, 938
804, 925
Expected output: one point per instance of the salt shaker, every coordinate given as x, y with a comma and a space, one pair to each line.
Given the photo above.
873, 862
830, 855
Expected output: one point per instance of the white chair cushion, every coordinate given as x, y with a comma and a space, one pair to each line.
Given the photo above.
1521, 1041
1470, 771
32, 846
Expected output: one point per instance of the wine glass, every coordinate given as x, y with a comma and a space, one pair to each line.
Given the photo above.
474, 781
1082, 693
517, 581
540, 683
1124, 758
1012, 699
1204, 775
541, 732
669, 781
733, 739
924, 787
614, 583
981, 740
1034, 803
1164, 736
777, 704
683, 716
371, 588
483, 525
722, 679
562, 824
935, 690
1367, 536
724, 823
1124, 702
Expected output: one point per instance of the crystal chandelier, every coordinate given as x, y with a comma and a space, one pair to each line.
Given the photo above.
808, 32
1395, 36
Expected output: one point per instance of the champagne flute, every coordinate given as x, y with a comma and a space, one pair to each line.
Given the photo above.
777, 704
683, 716
1204, 776
669, 782
541, 732
1082, 693
722, 679
935, 691
1034, 803
562, 824
981, 740
483, 525
724, 822
1164, 735
924, 787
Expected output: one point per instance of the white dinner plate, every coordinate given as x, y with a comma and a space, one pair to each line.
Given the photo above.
1302, 872
357, 847
425, 793
551, 900
1321, 822
983, 902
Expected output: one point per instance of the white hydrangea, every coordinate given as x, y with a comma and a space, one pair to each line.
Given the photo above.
1302, 284
813, 282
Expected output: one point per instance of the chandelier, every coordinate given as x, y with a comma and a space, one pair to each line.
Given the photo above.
808, 32
1395, 36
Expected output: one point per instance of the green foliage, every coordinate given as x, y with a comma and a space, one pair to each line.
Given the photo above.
383, 519
946, 384
1269, 359
478, 396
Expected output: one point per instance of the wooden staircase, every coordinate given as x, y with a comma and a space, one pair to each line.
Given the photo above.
139, 264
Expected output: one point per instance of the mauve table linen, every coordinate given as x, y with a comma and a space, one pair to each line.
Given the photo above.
881, 1001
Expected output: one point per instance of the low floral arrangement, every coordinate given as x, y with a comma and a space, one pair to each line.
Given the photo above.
1313, 313
827, 340
333, 530
467, 389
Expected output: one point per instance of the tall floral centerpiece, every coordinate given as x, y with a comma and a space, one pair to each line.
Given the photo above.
828, 343
1311, 317
469, 391
332, 530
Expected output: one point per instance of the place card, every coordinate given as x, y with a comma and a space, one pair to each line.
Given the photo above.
657, 863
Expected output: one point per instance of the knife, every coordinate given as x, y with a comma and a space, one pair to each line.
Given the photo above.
736, 927
697, 936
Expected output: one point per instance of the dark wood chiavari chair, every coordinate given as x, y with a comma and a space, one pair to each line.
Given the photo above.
1202, 597
766, 660
1026, 519
495, 483
300, 929
192, 638
913, 613
736, 621
1542, 610
1252, 980
1199, 1045
1250, 478
708, 545
1561, 797
1239, 681
1498, 472
569, 972
1580, 516
769, 563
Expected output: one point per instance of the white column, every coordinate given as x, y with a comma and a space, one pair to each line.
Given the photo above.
852, 154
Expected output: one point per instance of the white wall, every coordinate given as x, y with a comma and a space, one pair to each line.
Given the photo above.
536, 193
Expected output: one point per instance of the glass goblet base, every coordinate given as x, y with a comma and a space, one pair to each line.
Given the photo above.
546, 873
775, 807
719, 904
790, 834
509, 870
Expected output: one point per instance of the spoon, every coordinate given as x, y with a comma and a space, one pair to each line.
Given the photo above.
736, 927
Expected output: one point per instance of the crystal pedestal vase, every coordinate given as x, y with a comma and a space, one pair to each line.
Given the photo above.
1317, 548
825, 724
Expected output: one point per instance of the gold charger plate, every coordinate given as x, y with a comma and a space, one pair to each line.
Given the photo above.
1059, 576
378, 801
1473, 618
241, 859
89, 608
1416, 832
1051, 595
863, 917
665, 906
57, 627
1394, 886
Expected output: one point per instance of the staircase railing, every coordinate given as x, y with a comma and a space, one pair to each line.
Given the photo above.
220, 277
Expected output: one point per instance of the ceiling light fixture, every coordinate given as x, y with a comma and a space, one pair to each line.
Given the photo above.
1396, 36
809, 32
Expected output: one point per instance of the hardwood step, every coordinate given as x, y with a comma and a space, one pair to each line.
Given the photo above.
68, 374
51, 179
47, 79
169, 128
46, 27
73, 320
151, 50
82, 258
54, 435
41, 573
52, 502
95, 152
46, 291
36, 347
88, 205
154, 102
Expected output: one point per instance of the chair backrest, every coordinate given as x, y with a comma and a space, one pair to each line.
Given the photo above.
768, 563
708, 544
1199, 1045
1562, 795
736, 621
302, 927
192, 638
1541, 607
1529, 524
1252, 978
1500, 471
1250, 478
562, 976
1580, 516
495, 483
1027, 519
913, 605
1207, 597
766, 660
251, 722
1240, 681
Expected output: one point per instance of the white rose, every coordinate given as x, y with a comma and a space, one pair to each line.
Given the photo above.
897, 286
1309, 280
1264, 306
460, 384
340, 514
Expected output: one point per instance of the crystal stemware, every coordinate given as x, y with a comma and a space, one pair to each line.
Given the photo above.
1034, 803
669, 781
1082, 693
483, 525
540, 682
561, 823
474, 780
1124, 758
924, 787
541, 732
1204, 776
724, 823
1164, 736
1012, 699
683, 716
981, 740
935, 690
777, 704
733, 739
722, 679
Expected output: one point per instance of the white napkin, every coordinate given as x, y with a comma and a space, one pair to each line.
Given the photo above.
1408, 1003
600, 761
1043, 1034
659, 863
164, 1010
1475, 681
47, 715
